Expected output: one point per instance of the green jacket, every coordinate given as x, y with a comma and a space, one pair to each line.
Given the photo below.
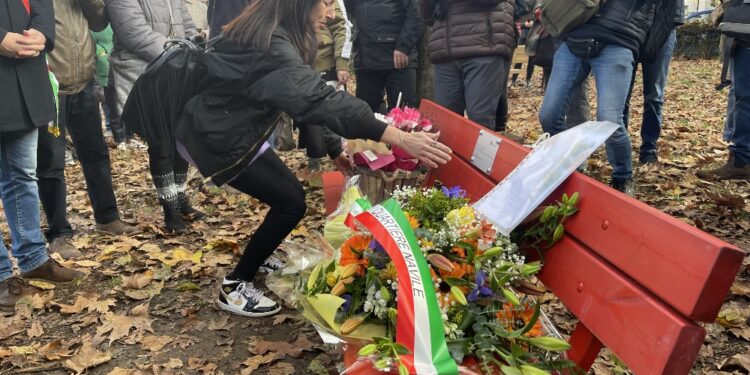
103, 40
334, 43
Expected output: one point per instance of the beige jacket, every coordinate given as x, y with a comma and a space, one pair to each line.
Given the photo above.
72, 60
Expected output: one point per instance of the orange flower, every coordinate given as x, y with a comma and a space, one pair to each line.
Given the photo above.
460, 270
517, 317
352, 252
413, 222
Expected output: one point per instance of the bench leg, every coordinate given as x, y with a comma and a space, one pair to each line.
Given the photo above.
585, 347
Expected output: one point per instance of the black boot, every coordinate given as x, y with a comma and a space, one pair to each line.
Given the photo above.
172, 217
188, 212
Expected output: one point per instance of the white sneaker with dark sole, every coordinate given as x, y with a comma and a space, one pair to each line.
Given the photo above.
243, 298
272, 264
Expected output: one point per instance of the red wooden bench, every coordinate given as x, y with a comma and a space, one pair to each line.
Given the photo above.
637, 279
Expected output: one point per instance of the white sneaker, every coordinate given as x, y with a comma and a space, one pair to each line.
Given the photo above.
272, 264
138, 145
243, 298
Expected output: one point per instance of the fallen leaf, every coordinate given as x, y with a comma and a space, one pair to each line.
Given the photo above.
121, 371
281, 368
41, 284
81, 303
278, 319
102, 307
23, 350
39, 301
727, 200
220, 323
35, 330
55, 350
294, 349
730, 317
741, 288
742, 332
174, 363
254, 362
222, 340
223, 244
156, 343
87, 357
118, 325
137, 281
737, 362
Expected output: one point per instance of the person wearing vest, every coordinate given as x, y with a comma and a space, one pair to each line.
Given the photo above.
738, 165
386, 34
72, 61
655, 74
471, 44
607, 45
141, 29
27, 34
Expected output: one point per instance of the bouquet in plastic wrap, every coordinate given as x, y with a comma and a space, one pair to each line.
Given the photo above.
424, 285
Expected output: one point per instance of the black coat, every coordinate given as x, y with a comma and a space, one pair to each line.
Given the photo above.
27, 101
382, 26
620, 22
241, 96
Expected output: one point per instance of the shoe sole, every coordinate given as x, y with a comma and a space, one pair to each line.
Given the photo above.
50, 281
228, 308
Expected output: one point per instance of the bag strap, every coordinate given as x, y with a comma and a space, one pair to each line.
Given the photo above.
727, 54
27, 6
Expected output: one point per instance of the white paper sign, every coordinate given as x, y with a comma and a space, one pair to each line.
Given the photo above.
485, 151
540, 173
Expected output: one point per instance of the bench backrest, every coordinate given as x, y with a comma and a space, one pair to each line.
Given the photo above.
636, 278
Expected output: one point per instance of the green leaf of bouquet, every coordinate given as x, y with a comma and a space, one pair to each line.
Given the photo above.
510, 296
507, 370
531, 370
549, 343
453, 281
400, 349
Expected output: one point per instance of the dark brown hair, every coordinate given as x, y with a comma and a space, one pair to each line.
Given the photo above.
255, 25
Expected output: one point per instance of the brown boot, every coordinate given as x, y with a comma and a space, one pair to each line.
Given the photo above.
64, 246
733, 169
11, 290
52, 271
117, 228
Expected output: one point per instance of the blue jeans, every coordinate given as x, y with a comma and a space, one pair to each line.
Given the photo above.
741, 137
729, 124
612, 70
654, 81
18, 190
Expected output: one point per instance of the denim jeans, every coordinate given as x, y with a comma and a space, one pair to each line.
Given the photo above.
20, 196
654, 81
741, 137
612, 70
729, 124
474, 85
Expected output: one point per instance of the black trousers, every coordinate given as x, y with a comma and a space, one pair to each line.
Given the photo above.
372, 84
163, 159
79, 115
120, 132
269, 180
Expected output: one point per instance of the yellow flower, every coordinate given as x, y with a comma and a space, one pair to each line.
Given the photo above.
413, 222
331, 279
462, 216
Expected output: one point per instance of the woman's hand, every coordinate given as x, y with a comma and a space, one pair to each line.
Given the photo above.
343, 163
422, 146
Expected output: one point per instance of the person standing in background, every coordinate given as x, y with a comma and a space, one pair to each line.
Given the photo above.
27, 34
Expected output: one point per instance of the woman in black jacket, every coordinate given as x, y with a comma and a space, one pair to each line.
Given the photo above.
262, 66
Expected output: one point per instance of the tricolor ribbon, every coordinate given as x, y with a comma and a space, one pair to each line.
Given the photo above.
419, 326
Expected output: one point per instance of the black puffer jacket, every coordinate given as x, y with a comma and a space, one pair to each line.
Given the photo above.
242, 95
382, 26
620, 22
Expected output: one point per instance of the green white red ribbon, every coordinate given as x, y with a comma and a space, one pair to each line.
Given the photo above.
419, 325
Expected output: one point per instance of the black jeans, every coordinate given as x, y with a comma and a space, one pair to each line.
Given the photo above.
79, 114
164, 159
371, 84
269, 180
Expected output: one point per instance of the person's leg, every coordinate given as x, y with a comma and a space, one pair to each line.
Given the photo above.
449, 87
180, 168
729, 124
269, 180
161, 164
529, 71
612, 70
579, 110
110, 102
654, 82
484, 84
84, 125
741, 138
568, 72
403, 82
370, 88
51, 175
20, 196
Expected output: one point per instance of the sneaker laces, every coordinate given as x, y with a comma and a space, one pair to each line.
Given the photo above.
274, 263
249, 291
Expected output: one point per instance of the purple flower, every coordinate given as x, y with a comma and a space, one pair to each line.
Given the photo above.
347, 303
454, 192
481, 289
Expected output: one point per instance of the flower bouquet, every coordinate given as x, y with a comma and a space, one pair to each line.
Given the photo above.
383, 168
425, 285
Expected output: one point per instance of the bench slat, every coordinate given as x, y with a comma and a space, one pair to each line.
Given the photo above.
636, 236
